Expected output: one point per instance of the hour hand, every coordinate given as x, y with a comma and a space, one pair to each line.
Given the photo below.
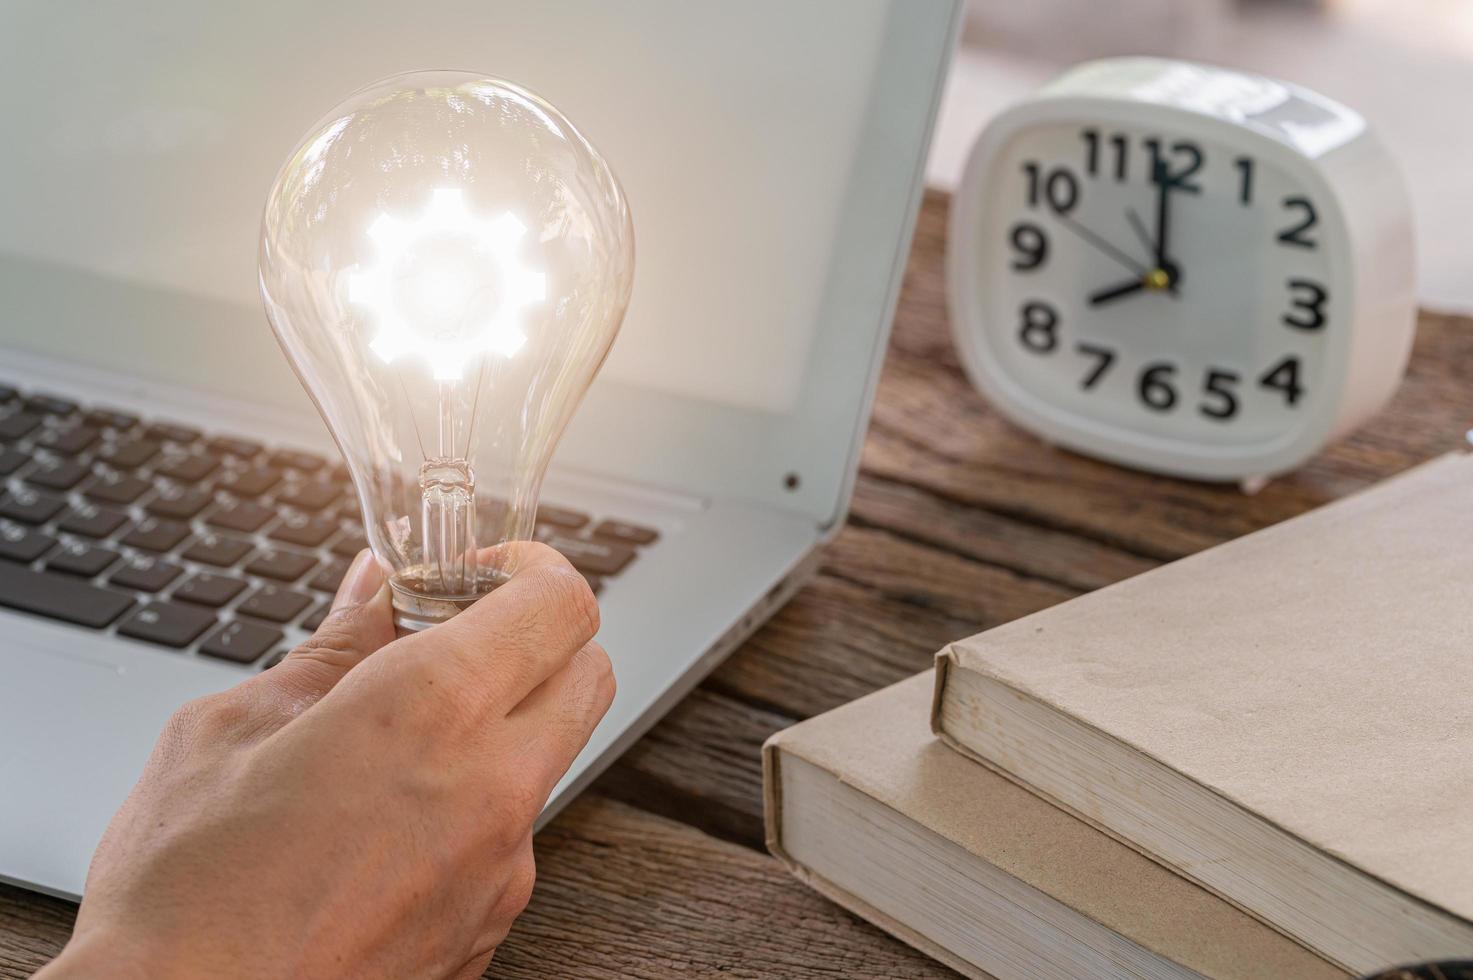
1109, 293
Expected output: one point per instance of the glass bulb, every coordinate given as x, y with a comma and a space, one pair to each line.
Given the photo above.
446, 260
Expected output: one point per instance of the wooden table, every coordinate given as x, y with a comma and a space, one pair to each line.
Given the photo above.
960, 522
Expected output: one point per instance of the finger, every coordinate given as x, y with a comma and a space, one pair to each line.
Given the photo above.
559, 716
361, 622
516, 637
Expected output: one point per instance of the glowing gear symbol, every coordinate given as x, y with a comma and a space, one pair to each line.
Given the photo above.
444, 329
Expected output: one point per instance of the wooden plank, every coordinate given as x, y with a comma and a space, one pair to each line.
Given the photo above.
701, 765
1031, 550
33, 928
622, 893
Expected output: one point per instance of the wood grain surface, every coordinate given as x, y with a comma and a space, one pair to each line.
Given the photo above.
959, 522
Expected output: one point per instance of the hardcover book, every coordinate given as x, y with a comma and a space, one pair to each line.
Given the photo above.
1286, 719
866, 806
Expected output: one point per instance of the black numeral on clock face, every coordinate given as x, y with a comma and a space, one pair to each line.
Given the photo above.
1155, 386
1297, 234
1058, 188
1030, 245
1176, 166
1039, 328
1283, 377
1307, 301
1103, 357
1219, 401
1245, 180
1157, 383
1115, 149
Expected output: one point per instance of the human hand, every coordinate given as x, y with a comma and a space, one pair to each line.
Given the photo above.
364, 808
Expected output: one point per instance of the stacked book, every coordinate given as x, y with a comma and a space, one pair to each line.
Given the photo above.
1255, 762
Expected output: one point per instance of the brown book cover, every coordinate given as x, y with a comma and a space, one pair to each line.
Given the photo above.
866, 806
1286, 718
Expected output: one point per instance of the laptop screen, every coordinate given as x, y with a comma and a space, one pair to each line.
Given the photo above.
141, 141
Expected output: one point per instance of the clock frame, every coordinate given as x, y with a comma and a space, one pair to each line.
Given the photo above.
1363, 217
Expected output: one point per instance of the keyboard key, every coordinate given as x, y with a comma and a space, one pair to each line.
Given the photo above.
216, 549
591, 557
310, 496
116, 488
167, 623
292, 460
232, 446
209, 589
156, 534
627, 533
251, 483
595, 582
299, 529
58, 474
276, 604
91, 521
20, 543
128, 454
275, 658
30, 506
50, 404
328, 577
240, 641
240, 515
561, 516
68, 441
80, 558
349, 544
169, 432
17, 425
58, 596
316, 618
179, 503
187, 468
145, 573
284, 566
12, 460
110, 418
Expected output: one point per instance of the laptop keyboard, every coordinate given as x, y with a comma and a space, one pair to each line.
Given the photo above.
209, 543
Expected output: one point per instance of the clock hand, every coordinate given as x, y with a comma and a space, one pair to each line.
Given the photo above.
1110, 293
1166, 275
1101, 244
1139, 227
1163, 200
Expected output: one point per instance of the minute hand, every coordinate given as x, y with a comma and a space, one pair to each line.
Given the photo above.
1163, 203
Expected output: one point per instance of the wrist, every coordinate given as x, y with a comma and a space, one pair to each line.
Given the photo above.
95, 957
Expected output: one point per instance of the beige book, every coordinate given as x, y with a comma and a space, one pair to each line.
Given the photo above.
1286, 719
866, 806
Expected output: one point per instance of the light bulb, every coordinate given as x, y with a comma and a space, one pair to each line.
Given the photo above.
446, 261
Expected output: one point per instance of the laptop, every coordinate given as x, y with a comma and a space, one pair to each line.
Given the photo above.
174, 517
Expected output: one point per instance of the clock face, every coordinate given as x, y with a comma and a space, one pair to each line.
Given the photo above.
1159, 283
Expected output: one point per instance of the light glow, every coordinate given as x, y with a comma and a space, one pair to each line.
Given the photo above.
443, 327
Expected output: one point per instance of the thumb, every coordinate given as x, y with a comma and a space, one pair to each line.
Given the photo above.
360, 622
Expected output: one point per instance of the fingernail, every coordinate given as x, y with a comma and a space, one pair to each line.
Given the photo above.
361, 581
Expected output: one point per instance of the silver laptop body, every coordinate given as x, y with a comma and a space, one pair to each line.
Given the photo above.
772, 153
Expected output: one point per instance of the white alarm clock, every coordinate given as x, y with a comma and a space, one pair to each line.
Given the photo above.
1182, 268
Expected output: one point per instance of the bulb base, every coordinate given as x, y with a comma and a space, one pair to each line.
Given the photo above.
414, 611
